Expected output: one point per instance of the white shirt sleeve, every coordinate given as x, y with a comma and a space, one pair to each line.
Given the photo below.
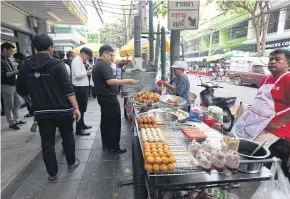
76, 67
68, 69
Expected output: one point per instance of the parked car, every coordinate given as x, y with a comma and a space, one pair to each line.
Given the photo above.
253, 77
248, 70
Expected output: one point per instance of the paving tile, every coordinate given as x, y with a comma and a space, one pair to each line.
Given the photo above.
13, 144
84, 144
92, 136
126, 191
82, 155
103, 169
28, 190
60, 190
123, 169
95, 189
100, 155
77, 174
97, 144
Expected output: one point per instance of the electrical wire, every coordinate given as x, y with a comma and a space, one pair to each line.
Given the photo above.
113, 12
118, 5
102, 6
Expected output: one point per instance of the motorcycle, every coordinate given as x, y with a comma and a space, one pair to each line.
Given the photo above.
207, 99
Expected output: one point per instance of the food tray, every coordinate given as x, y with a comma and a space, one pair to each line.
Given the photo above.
186, 115
161, 117
180, 100
145, 104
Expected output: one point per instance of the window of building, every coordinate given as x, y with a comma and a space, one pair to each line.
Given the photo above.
216, 37
273, 21
7, 31
287, 20
238, 31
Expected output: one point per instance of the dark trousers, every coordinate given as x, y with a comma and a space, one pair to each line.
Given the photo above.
110, 121
82, 95
47, 129
30, 111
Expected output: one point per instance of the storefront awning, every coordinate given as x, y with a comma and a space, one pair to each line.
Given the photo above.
214, 57
58, 12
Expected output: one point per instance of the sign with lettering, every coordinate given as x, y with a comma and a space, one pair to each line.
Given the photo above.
278, 44
183, 15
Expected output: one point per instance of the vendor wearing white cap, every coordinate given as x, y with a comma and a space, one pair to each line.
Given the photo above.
182, 87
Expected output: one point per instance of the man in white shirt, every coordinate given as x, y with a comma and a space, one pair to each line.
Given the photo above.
80, 82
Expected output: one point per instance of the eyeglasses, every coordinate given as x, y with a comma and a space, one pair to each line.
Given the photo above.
111, 54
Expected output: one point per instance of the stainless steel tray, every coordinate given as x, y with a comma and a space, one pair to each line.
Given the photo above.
161, 117
180, 100
146, 104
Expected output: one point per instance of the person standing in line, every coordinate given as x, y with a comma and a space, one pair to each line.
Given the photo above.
20, 59
107, 90
70, 55
80, 82
11, 99
45, 80
61, 57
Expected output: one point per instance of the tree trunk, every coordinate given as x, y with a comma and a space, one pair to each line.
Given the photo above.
257, 35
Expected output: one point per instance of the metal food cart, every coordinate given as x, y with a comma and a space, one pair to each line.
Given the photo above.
186, 176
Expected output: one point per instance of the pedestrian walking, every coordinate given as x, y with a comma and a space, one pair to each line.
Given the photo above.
11, 100
80, 82
107, 90
46, 81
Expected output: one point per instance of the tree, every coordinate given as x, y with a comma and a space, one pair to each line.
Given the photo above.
160, 8
115, 34
259, 14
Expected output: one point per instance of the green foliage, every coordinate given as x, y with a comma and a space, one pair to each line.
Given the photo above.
160, 9
114, 34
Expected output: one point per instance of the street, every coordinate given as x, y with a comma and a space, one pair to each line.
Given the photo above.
244, 93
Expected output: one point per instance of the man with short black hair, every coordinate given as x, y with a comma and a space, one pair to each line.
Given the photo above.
107, 90
11, 99
45, 80
70, 55
61, 57
80, 82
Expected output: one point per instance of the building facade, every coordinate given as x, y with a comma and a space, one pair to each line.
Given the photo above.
20, 20
227, 32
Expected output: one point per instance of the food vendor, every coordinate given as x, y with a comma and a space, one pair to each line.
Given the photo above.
269, 116
181, 86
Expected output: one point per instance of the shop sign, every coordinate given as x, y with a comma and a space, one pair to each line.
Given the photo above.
93, 38
278, 44
183, 15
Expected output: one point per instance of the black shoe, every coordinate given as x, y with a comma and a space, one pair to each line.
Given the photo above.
14, 126
53, 179
119, 151
33, 128
85, 127
28, 115
20, 122
73, 166
82, 133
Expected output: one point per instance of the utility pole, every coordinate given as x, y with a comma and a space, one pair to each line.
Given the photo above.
142, 11
174, 48
210, 42
151, 35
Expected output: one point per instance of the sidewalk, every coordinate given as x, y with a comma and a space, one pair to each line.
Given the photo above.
96, 177
18, 148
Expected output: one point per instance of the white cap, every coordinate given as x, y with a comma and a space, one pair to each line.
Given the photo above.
180, 64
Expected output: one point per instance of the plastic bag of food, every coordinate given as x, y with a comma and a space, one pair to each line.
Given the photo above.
232, 143
194, 147
204, 160
216, 112
279, 188
232, 159
218, 160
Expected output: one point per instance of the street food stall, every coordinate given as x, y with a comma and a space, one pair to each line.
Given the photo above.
173, 154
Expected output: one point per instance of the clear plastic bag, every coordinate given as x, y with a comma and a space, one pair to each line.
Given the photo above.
273, 189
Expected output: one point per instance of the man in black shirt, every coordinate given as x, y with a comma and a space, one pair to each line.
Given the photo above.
46, 81
11, 99
106, 87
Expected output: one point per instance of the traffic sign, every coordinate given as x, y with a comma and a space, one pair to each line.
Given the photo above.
183, 15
